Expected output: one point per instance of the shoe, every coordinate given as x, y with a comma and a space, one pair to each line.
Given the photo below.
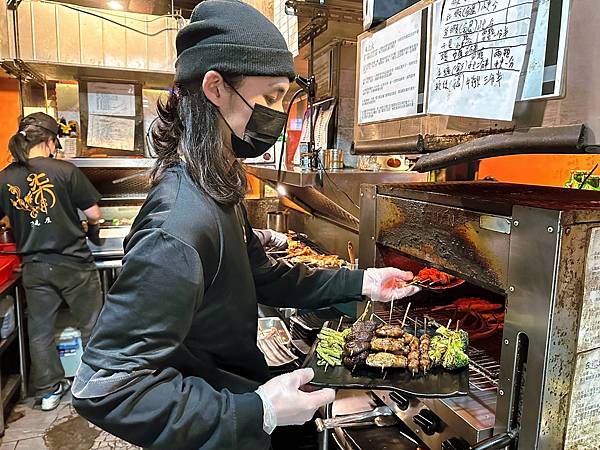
52, 399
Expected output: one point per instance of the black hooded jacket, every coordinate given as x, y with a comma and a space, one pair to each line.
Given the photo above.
172, 362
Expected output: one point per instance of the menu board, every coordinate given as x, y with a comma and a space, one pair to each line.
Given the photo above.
478, 59
389, 71
111, 132
110, 99
589, 327
583, 426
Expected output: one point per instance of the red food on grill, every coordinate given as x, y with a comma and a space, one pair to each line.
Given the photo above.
434, 276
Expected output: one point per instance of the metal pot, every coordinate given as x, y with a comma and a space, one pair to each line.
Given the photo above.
278, 221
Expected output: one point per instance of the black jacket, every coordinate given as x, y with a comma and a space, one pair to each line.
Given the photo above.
172, 362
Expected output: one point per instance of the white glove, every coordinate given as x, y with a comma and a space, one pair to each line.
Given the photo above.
278, 240
387, 284
284, 404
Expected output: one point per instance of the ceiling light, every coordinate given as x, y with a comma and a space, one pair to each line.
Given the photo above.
113, 4
281, 189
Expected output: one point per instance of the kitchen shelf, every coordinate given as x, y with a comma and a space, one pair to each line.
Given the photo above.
5, 343
9, 387
113, 163
295, 176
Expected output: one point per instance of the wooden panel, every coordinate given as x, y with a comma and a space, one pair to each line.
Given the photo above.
68, 36
90, 29
136, 43
113, 41
25, 31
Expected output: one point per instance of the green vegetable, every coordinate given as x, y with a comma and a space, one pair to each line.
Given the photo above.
448, 348
330, 346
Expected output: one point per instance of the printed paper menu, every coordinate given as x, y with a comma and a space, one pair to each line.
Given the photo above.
389, 71
479, 57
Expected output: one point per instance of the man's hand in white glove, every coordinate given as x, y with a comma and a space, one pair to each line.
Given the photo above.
285, 404
387, 284
278, 240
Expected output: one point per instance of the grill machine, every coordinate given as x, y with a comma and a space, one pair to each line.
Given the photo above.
537, 251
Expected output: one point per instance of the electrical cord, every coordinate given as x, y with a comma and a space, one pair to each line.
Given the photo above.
336, 185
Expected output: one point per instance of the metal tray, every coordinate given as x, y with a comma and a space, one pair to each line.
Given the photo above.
266, 324
437, 383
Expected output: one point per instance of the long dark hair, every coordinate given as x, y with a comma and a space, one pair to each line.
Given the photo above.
28, 136
188, 128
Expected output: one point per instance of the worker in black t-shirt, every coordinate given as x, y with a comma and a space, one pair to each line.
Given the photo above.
41, 196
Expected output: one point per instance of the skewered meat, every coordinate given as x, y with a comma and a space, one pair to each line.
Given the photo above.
434, 276
394, 331
364, 325
355, 360
387, 345
414, 344
406, 350
425, 363
414, 355
386, 360
355, 347
363, 336
408, 338
413, 365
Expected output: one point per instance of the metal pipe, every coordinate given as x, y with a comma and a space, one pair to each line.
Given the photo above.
391, 146
550, 140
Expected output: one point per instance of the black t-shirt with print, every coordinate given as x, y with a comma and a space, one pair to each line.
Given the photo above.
41, 202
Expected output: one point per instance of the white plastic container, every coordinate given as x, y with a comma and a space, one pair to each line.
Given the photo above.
70, 350
7, 316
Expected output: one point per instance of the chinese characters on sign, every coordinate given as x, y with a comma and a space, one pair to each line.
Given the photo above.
389, 71
479, 56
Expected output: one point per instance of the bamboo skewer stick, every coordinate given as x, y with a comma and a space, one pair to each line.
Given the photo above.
391, 310
405, 315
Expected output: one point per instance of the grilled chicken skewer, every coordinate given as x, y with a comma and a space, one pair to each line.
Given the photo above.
386, 360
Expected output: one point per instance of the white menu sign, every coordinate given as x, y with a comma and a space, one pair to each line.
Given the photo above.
479, 57
111, 132
111, 99
589, 326
389, 71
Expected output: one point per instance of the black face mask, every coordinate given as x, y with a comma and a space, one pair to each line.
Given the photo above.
262, 131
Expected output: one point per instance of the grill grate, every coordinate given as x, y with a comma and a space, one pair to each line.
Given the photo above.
484, 370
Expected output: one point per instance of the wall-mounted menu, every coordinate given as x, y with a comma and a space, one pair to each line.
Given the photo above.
111, 132
110, 99
479, 57
389, 71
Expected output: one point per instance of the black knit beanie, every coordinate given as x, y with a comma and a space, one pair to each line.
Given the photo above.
230, 37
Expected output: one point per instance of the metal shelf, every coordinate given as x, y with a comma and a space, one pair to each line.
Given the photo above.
295, 176
113, 163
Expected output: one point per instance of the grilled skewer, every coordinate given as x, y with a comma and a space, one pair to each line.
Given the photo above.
386, 360
393, 331
387, 345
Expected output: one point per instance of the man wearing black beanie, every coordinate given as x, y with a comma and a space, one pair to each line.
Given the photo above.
173, 362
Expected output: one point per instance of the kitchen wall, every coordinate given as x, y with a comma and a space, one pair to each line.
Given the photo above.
9, 111
546, 170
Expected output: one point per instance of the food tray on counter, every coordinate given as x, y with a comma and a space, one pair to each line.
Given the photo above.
436, 383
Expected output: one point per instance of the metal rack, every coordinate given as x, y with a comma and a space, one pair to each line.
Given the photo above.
483, 370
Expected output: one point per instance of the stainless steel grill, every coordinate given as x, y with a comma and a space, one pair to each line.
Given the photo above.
533, 251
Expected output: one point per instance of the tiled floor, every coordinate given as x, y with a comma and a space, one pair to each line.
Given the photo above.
28, 428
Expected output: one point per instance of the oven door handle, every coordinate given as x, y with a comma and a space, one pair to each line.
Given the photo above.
496, 442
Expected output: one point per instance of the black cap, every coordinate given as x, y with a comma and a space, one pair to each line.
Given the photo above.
42, 120
231, 37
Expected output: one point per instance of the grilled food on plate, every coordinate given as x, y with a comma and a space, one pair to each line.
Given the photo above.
394, 331
386, 360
